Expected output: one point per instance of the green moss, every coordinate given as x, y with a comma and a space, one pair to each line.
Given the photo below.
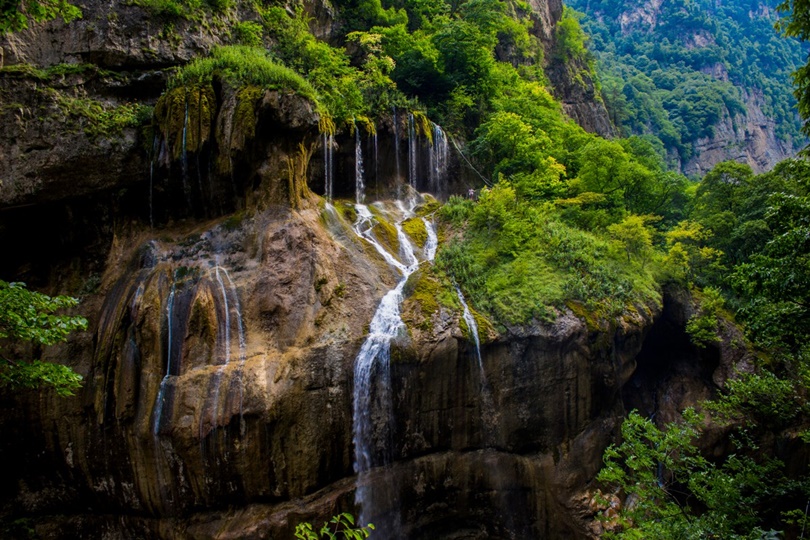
588, 316
346, 210
416, 231
234, 221
428, 292
429, 206
186, 113
244, 122
98, 119
26, 71
385, 233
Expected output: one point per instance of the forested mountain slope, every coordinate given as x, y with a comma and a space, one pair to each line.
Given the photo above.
710, 80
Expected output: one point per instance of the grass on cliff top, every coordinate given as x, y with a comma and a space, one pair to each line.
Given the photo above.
520, 262
239, 66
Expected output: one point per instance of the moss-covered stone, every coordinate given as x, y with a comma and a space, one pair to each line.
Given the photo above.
244, 116
185, 117
384, 231
416, 231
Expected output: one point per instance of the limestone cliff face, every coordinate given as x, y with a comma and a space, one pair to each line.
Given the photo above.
571, 80
749, 138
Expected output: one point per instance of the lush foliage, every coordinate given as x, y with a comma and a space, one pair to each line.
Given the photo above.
675, 74
30, 317
340, 526
747, 237
15, 15
678, 493
241, 65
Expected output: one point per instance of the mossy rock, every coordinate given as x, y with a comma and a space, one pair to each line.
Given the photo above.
429, 206
591, 318
244, 117
416, 231
346, 210
384, 231
186, 114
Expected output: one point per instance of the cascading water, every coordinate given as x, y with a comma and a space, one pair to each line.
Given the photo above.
161, 397
439, 152
488, 415
359, 186
328, 164
472, 327
412, 148
227, 348
372, 384
396, 144
240, 324
432, 242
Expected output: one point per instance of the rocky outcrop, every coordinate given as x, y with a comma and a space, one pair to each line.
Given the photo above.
571, 79
750, 138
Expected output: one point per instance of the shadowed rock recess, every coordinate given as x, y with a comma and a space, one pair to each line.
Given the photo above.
227, 304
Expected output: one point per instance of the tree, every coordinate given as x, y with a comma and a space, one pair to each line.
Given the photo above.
671, 491
634, 235
15, 14
28, 316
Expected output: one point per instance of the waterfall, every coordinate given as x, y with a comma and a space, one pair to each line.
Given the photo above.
161, 397
227, 354
372, 384
155, 149
432, 240
439, 151
240, 324
411, 151
359, 186
184, 155
328, 164
376, 166
489, 420
473, 329
229, 307
396, 144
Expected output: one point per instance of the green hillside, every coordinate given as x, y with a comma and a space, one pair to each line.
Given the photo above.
674, 72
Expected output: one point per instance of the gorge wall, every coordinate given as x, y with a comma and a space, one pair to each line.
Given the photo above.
227, 303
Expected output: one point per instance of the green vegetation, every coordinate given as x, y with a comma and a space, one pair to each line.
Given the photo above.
340, 526
678, 493
676, 74
98, 119
28, 317
16, 15
239, 66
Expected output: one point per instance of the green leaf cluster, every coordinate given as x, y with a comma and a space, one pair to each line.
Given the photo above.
28, 316
16, 15
671, 491
340, 526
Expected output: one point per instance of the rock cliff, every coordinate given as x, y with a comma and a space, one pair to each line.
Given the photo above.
749, 138
227, 304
